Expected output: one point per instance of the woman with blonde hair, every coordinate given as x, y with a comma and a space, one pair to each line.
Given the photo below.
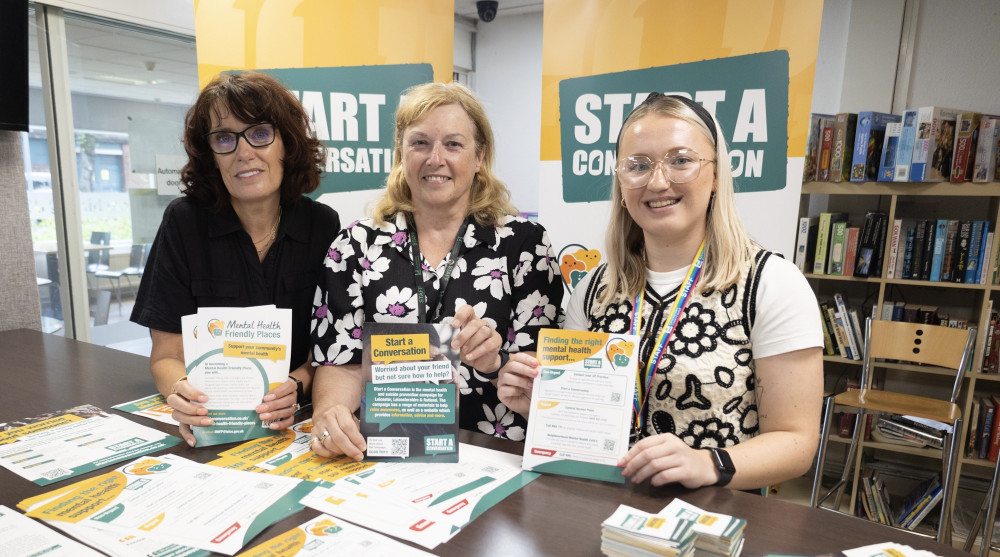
443, 245
730, 337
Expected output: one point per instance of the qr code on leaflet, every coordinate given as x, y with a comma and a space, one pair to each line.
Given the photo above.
389, 446
56, 473
616, 397
609, 444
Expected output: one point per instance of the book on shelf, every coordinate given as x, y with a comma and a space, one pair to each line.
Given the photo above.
962, 240
928, 315
883, 230
932, 148
890, 149
970, 445
927, 249
851, 330
911, 312
805, 245
869, 248
985, 163
894, 241
829, 346
948, 260
825, 228
904, 152
989, 422
994, 450
921, 497
937, 252
991, 323
988, 257
847, 347
975, 246
966, 140
903, 431
825, 150
906, 267
838, 240
851, 250
869, 142
844, 131
813, 144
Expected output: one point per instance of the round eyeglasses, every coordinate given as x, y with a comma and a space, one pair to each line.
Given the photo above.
679, 167
225, 142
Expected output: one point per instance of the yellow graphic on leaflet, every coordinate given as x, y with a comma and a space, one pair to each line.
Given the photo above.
400, 348
335, 500
575, 264
654, 522
324, 527
295, 34
289, 543
556, 347
12, 435
153, 523
216, 327
146, 467
312, 467
547, 404
619, 352
80, 500
259, 351
595, 37
707, 519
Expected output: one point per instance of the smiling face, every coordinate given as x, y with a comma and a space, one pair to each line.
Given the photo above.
251, 174
668, 213
440, 160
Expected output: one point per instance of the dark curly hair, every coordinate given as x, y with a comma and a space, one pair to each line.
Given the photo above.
251, 97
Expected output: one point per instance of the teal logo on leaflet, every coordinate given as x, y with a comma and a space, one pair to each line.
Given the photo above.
747, 94
435, 444
352, 112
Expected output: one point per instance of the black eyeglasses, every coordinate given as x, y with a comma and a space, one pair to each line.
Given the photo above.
257, 135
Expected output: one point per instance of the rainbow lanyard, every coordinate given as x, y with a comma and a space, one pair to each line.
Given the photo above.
676, 310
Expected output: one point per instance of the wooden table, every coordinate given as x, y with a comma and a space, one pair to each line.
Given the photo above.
553, 515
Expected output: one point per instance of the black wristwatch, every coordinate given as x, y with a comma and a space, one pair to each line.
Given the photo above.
300, 390
504, 358
724, 464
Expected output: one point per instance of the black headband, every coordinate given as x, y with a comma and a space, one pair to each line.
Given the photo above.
705, 116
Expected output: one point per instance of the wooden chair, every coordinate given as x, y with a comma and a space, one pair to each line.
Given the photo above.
932, 345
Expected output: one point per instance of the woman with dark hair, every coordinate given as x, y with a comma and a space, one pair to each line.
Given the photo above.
443, 245
242, 235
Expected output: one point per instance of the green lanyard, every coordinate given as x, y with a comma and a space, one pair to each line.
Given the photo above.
418, 271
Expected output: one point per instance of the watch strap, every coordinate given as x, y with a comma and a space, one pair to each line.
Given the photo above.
724, 464
504, 358
300, 390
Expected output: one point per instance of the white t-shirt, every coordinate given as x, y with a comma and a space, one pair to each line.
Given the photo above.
787, 317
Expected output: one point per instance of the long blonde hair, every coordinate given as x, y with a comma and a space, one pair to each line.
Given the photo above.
490, 199
727, 245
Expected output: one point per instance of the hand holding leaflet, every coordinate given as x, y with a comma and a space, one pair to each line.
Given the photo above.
581, 404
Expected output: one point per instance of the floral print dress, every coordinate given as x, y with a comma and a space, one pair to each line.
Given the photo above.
506, 272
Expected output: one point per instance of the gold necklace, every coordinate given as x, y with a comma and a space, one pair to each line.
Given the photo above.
266, 240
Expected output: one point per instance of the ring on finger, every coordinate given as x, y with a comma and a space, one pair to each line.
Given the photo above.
323, 437
296, 407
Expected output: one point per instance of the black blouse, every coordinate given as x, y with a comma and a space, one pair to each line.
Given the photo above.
204, 259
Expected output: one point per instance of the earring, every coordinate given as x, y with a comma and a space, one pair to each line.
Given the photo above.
623, 203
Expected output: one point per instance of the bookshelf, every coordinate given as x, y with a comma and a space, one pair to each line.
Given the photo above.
910, 200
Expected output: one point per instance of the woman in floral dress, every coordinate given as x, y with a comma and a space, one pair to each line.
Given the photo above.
488, 272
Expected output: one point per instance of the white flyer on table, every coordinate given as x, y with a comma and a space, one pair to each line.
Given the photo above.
22, 537
581, 404
68, 445
239, 354
327, 535
176, 500
424, 503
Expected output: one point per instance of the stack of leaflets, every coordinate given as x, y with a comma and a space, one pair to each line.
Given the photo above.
633, 532
718, 534
912, 430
